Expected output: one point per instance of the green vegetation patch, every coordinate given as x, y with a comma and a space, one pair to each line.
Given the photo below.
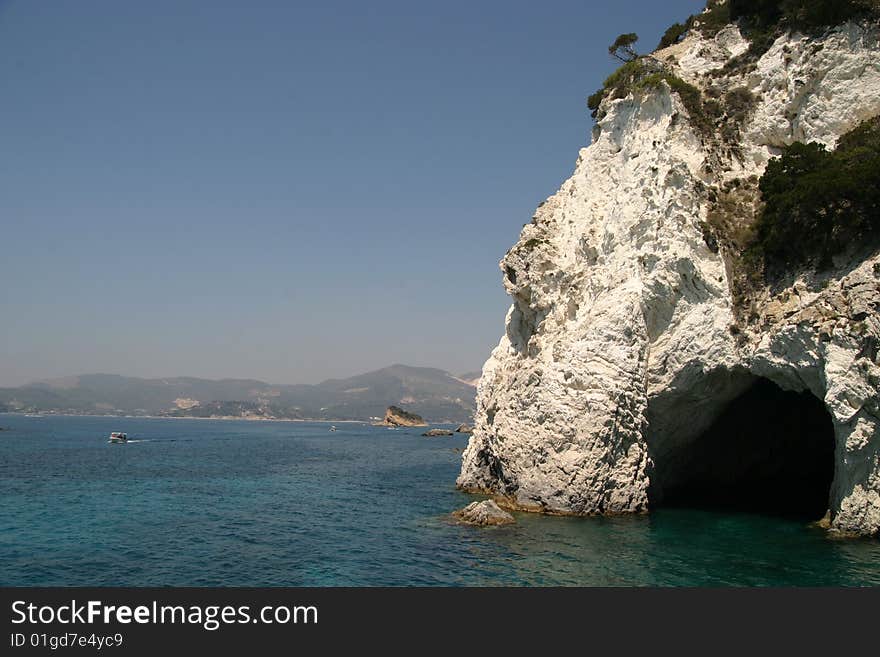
646, 73
675, 33
805, 15
621, 82
819, 203
715, 18
763, 21
759, 19
702, 116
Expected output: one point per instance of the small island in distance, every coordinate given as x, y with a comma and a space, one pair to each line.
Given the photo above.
397, 417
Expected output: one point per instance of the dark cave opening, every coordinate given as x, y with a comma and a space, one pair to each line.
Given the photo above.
769, 451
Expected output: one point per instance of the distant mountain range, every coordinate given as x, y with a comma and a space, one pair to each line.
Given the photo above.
432, 393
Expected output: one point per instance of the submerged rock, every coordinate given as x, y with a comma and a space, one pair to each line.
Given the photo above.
437, 432
628, 336
397, 417
484, 513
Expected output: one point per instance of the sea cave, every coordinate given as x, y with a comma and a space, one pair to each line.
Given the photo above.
768, 451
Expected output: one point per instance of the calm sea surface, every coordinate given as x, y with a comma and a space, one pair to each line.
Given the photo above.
235, 503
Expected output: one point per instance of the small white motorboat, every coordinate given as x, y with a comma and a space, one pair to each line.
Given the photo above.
118, 437
332, 427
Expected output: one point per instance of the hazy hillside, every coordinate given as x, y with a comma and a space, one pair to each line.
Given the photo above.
433, 393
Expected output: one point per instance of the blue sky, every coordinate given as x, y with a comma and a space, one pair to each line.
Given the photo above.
281, 190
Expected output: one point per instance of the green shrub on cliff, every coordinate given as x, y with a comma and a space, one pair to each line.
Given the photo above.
674, 33
701, 115
714, 18
760, 17
805, 15
762, 21
819, 203
623, 47
620, 82
648, 73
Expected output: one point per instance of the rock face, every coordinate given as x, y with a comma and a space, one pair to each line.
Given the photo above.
397, 417
430, 433
622, 344
484, 513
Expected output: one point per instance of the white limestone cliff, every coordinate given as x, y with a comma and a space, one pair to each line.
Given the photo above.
622, 342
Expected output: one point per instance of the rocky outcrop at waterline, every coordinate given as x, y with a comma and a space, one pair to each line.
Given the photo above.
484, 514
397, 417
433, 433
636, 321
464, 428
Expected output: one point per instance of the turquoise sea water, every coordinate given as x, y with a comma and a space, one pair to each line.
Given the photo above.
235, 503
